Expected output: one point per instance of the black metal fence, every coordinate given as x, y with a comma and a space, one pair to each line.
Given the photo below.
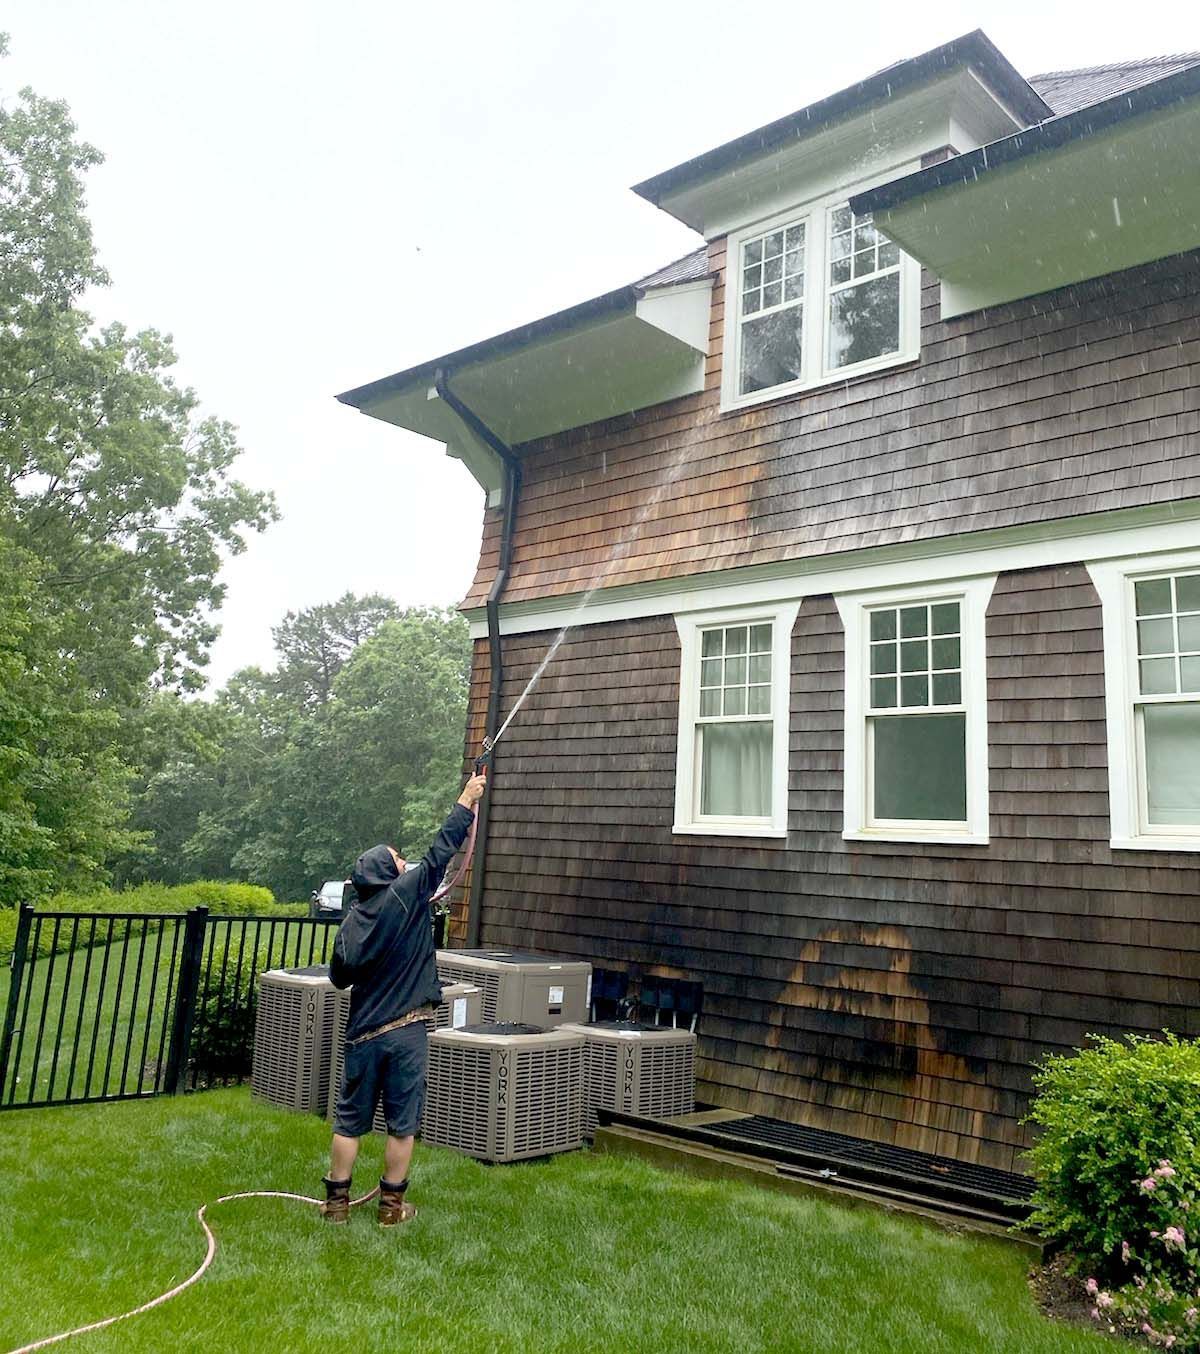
127, 1005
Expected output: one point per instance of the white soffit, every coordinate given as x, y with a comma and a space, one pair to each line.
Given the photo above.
1122, 196
957, 110
651, 352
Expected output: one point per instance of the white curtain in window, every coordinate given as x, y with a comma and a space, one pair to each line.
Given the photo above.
736, 770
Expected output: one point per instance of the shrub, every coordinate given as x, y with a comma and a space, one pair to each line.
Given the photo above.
1117, 1166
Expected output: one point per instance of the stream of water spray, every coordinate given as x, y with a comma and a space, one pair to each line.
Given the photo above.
607, 566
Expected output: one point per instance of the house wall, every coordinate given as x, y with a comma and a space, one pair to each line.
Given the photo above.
1077, 401
895, 992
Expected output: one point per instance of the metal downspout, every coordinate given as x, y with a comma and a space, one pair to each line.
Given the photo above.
512, 489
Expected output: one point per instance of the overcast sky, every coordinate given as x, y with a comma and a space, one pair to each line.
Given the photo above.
310, 195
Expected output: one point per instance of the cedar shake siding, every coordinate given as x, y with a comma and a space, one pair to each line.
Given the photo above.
896, 992
1072, 402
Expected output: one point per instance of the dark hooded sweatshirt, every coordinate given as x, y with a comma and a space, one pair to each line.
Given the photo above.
384, 946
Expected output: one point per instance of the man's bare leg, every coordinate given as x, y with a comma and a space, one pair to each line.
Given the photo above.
397, 1154
342, 1156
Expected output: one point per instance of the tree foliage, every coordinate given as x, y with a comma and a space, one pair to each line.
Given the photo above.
268, 785
117, 505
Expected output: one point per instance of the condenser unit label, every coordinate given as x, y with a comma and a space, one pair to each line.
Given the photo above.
458, 1013
627, 1061
556, 996
502, 1079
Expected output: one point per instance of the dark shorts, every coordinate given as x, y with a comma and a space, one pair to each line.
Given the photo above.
391, 1068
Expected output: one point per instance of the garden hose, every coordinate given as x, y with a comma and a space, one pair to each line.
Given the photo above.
201, 1217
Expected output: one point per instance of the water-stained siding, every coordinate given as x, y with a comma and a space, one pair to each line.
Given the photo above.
891, 991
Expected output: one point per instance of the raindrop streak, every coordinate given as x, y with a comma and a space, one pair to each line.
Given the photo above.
598, 580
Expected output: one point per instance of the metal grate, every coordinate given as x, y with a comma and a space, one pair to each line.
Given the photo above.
488, 982
941, 1175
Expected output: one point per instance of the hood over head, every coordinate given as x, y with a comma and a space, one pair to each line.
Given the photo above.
373, 870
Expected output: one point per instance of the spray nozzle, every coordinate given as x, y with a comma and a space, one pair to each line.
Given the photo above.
484, 759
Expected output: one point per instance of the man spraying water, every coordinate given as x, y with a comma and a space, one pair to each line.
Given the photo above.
384, 949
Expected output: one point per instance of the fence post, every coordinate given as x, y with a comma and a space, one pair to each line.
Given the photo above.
194, 925
17, 964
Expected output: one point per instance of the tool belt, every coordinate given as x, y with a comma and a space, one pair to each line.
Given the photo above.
419, 1016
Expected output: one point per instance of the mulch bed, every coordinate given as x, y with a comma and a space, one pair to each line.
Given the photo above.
1061, 1296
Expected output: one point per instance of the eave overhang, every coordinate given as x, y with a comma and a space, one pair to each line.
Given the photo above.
619, 352
1107, 187
965, 88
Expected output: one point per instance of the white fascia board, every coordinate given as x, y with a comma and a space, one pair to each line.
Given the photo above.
1098, 536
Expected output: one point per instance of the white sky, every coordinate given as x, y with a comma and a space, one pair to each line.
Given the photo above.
309, 196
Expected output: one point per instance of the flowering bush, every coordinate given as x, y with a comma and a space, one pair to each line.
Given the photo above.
1162, 1298
1117, 1166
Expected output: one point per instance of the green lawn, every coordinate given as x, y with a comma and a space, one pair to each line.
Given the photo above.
583, 1252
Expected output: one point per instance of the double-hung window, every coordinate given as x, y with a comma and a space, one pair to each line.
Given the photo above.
731, 772
1152, 689
815, 295
916, 715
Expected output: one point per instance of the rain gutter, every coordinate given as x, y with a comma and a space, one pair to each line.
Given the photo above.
512, 490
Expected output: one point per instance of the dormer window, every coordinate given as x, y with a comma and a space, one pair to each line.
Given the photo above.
816, 296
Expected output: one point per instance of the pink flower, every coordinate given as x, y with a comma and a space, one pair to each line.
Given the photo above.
1154, 1235
1164, 1162
1125, 1252
1095, 1315
1165, 1170
1104, 1300
1190, 1315
1149, 1185
1092, 1287
1173, 1237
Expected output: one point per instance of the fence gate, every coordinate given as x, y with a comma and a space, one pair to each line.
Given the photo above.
115, 1006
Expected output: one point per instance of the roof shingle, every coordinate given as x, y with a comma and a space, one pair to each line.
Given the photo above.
1068, 91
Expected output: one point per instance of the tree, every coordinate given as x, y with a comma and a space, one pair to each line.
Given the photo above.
62, 786
108, 477
315, 643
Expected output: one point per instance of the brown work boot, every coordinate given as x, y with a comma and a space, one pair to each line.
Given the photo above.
393, 1207
336, 1207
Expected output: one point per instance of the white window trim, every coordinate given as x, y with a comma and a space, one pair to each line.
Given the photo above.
973, 595
815, 215
782, 619
1113, 580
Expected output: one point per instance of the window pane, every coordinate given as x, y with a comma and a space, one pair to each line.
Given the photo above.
947, 688
1187, 592
735, 700
883, 693
752, 277
840, 219
921, 768
945, 653
772, 294
945, 618
883, 625
771, 350
774, 245
864, 321
735, 770
760, 639
1189, 671
1153, 596
711, 643
1172, 734
735, 640
914, 655
1156, 636
760, 668
1158, 676
1189, 633
883, 658
914, 691
735, 672
914, 621
710, 672
710, 702
753, 252
760, 701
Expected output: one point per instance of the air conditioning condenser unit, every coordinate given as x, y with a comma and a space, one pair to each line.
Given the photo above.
521, 987
461, 1004
294, 1022
647, 1070
504, 1091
